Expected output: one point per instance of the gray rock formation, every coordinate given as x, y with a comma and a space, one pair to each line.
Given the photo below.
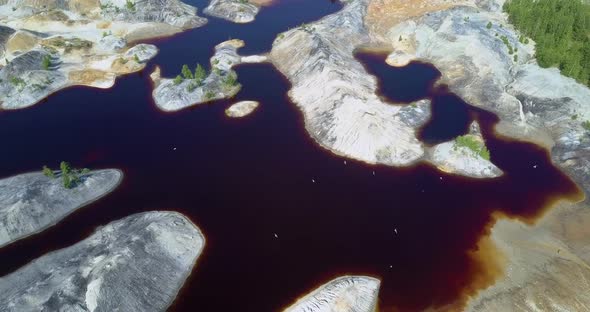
138, 263
32, 202
171, 12
237, 11
547, 264
241, 109
89, 43
337, 96
24, 81
344, 294
221, 82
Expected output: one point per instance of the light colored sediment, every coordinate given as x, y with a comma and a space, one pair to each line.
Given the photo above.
341, 109
138, 263
237, 11
89, 43
32, 202
170, 96
241, 109
343, 294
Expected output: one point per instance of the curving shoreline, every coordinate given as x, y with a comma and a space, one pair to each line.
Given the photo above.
47, 48
139, 262
32, 202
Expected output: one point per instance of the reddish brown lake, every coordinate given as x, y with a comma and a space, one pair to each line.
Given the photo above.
243, 181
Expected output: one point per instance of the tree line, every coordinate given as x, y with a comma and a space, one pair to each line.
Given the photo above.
561, 29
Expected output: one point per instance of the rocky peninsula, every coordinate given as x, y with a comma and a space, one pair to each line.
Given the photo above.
343, 294
189, 89
138, 263
339, 99
237, 11
473, 45
32, 202
48, 46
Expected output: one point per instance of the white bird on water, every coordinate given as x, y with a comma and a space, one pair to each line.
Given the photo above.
276, 235
313, 180
395, 230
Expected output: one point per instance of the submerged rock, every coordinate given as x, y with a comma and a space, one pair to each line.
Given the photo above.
221, 82
241, 109
237, 11
32, 202
344, 294
138, 263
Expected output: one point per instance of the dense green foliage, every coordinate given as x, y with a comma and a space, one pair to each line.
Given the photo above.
186, 72
561, 29
200, 74
48, 172
470, 142
70, 177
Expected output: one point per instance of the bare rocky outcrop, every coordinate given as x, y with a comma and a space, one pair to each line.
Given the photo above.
456, 158
533, 103
241, 109
237, 11
220, 83
47, 46
343, 294
547, 263
138, 263
339, 98
32, 202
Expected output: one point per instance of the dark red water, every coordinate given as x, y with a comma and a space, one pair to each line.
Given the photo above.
242, 181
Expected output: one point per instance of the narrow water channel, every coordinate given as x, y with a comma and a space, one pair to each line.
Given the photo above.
242, 181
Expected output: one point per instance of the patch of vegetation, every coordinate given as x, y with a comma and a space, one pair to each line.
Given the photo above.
586, 125
209, 95
178, 80
230, 80
136, 58
70, 176
471, 143
561, 29
186, 72
130, 5
18, 83
508, 45
489, 25
46, 62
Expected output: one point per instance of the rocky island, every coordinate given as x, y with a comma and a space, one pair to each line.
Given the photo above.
138, 263
32, 202
344, 294
49, 46
189, 88
237, 11
241, 109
